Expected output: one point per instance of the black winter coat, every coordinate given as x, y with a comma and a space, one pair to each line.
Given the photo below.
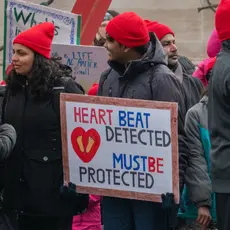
219, 120
34, 172
149, 79
193, 88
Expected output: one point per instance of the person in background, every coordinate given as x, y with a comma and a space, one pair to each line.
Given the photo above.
199, 201
91, 219
192, 86
100, 37
213, 48
161, 30
218, 118
34, 196
138, 70
7, 142
8, 138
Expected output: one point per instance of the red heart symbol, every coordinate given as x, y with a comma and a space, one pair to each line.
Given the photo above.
85, 144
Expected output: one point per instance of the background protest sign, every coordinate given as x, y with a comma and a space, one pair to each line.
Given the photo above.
87, 62
120, 147
20, 16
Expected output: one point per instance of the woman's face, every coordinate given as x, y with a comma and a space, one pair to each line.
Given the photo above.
22, 59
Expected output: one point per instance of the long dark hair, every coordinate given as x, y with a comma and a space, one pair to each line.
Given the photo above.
44, 75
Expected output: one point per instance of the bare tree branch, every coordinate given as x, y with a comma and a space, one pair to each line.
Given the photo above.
209, 6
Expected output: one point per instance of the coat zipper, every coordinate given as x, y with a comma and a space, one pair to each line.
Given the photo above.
23, 130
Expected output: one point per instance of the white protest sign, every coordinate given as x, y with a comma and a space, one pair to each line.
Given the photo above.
87, 62
20, 16
120, 147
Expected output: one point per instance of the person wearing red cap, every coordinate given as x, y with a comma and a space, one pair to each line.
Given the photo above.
138, 70
100, 39
218, 120
34, 173
192, 86
166, 35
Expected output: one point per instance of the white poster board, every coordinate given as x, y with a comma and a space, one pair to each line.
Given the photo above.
87, 62
20, 16
120, 147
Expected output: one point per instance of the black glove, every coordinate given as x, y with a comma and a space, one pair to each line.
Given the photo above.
168, 203
79, 201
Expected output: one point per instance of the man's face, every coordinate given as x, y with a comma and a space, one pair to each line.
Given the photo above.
168, 43
116, 52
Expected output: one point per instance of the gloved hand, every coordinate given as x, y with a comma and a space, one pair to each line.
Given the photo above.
168, 203
79, 201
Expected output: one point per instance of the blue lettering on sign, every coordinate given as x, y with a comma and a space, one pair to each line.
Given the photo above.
130, 162
82, 61
133, 119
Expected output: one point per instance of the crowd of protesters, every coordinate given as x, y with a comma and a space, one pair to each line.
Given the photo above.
144, 64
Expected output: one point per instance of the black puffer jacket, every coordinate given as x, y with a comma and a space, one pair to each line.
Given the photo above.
34, 171
148, 79
218, 120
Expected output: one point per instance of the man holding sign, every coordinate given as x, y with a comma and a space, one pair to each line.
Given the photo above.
139, 71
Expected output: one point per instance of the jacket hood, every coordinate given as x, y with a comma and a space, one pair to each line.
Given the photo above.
154, 55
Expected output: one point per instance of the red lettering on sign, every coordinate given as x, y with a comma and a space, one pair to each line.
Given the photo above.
154, 165
97, 116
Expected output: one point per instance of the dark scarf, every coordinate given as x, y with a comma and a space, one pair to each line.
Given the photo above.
178, 71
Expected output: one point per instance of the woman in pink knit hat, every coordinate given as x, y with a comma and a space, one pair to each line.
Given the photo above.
213, 48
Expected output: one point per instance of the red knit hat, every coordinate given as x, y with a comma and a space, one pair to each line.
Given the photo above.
159, 29
128, 29
222, 20
38, 38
